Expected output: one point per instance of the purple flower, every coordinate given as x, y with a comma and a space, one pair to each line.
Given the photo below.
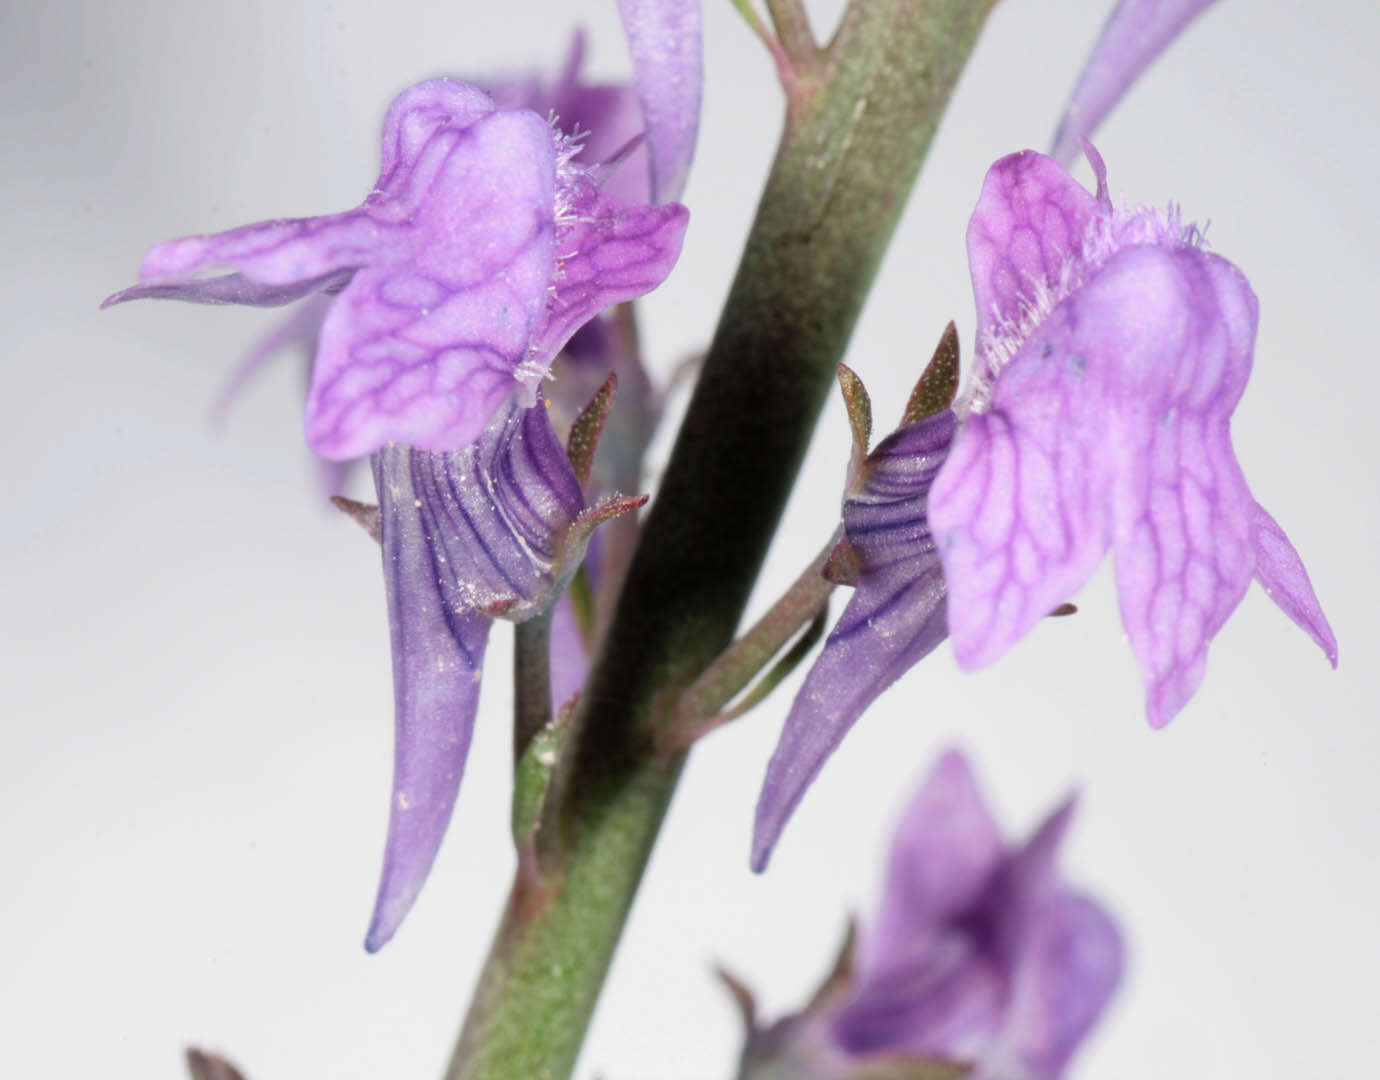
1134, 35
979, 955
894, 619
665, 38
483, 246
494, 530
608, 119
1112, 351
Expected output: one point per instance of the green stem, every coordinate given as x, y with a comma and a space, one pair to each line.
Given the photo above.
837, 187
531, 679
793, 29
736, 666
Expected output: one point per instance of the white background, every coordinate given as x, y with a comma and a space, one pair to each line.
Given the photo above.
196, 707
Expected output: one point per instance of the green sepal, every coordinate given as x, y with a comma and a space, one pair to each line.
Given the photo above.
588, 426
365, 515
841, 567
859, 406
938, 383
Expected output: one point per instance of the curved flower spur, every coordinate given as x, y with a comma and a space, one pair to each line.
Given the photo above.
896, 615
495, 530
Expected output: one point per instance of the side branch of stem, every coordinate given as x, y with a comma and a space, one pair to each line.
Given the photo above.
837, 187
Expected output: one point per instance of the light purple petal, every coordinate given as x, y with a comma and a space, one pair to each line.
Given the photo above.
422, 345
228, 289
286, 253
979, 955
945, 852
1280, 572
664, 38
945, 1002
1070, 969
894, 618
1183, 512
1110, 423
416, 116
1135, 34
607, 252
935, 979
1029, 222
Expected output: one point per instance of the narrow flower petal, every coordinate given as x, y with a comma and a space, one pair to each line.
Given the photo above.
1029, 221
1134, 35
664, 37
283, 253
1280, 572
229, 289
895, 618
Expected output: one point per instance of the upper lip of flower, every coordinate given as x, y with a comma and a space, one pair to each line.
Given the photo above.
480, 250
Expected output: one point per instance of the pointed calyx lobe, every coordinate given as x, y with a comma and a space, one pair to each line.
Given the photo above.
481, 249
1112, 351
493, 530
896, 614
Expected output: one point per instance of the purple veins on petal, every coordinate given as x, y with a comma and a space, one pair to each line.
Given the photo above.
664, 38
1030, 221
467, 536
607, 251
1104, 421
894, 619
422, 347
481, 249
1134, 35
